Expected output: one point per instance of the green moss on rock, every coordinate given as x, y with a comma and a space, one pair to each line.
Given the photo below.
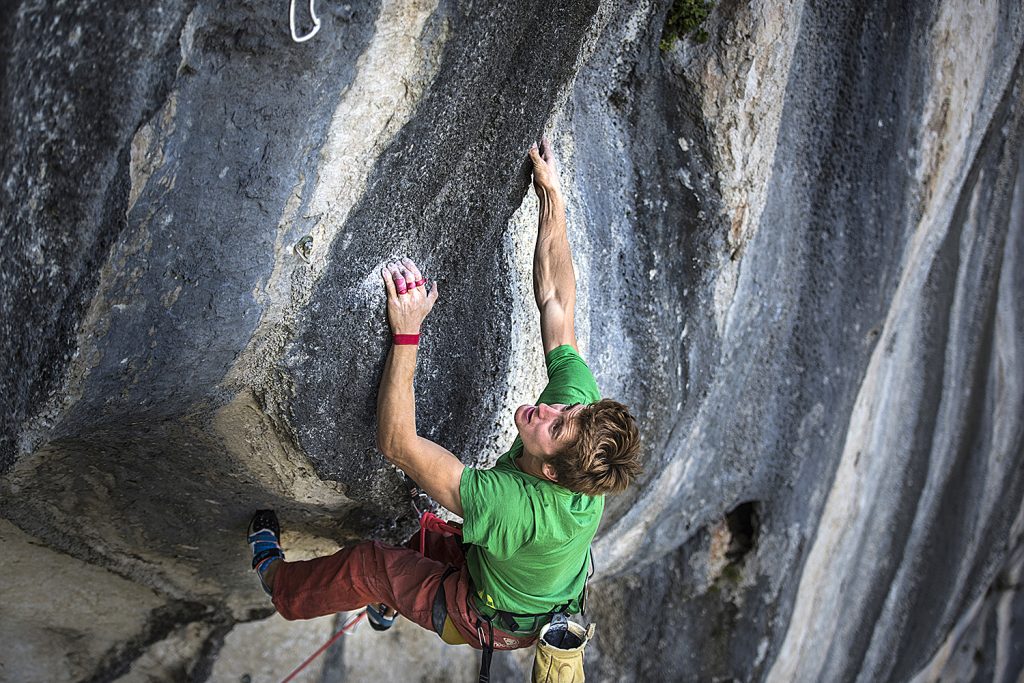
684, 18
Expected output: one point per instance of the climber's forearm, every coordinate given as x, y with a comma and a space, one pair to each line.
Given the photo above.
553, 277
396, 405
434, 468
554, 281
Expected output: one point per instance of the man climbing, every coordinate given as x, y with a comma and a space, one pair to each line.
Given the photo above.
529, 520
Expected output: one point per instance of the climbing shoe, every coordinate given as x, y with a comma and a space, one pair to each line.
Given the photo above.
375, 614
264, 540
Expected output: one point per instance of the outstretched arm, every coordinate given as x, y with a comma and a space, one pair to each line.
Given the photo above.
554, 281
434, 468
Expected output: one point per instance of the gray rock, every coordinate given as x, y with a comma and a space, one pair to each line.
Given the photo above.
798, 249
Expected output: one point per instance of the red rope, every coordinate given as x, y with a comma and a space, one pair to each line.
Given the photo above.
431, 522
326, 645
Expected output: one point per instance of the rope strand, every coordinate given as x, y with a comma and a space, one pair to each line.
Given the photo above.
326, 645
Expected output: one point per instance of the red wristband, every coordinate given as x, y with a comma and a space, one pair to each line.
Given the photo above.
412, 339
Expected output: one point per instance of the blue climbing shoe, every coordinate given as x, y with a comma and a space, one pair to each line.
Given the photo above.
378, 620
264, 540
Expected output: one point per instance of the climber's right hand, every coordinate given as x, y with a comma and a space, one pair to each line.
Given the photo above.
408, 299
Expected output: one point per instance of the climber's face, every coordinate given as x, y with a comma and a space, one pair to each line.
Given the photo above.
546, 430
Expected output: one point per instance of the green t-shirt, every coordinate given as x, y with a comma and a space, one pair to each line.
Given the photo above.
530, 537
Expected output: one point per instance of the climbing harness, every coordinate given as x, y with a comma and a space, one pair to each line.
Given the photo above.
514, 622
560, 643
561, 655
312, 13
486, 651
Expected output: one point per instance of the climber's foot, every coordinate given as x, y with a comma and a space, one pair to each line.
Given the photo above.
380, 616
264, 540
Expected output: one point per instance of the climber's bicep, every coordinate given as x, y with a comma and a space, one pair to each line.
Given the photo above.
437, 471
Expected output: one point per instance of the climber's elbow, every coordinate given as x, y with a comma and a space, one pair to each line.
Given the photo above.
394, 447
385, 445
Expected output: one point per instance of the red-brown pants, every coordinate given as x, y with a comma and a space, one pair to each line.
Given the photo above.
401, 578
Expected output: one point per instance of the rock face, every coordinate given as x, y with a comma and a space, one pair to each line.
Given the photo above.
799, 256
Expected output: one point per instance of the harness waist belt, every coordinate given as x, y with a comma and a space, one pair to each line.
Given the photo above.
513, 622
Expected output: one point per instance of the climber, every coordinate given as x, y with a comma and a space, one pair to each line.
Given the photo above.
529, 520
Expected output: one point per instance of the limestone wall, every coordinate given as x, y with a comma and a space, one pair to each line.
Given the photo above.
798, 249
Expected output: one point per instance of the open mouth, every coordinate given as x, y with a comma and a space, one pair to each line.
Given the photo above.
529, 413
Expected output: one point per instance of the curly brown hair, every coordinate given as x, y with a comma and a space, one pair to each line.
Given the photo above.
605, 456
